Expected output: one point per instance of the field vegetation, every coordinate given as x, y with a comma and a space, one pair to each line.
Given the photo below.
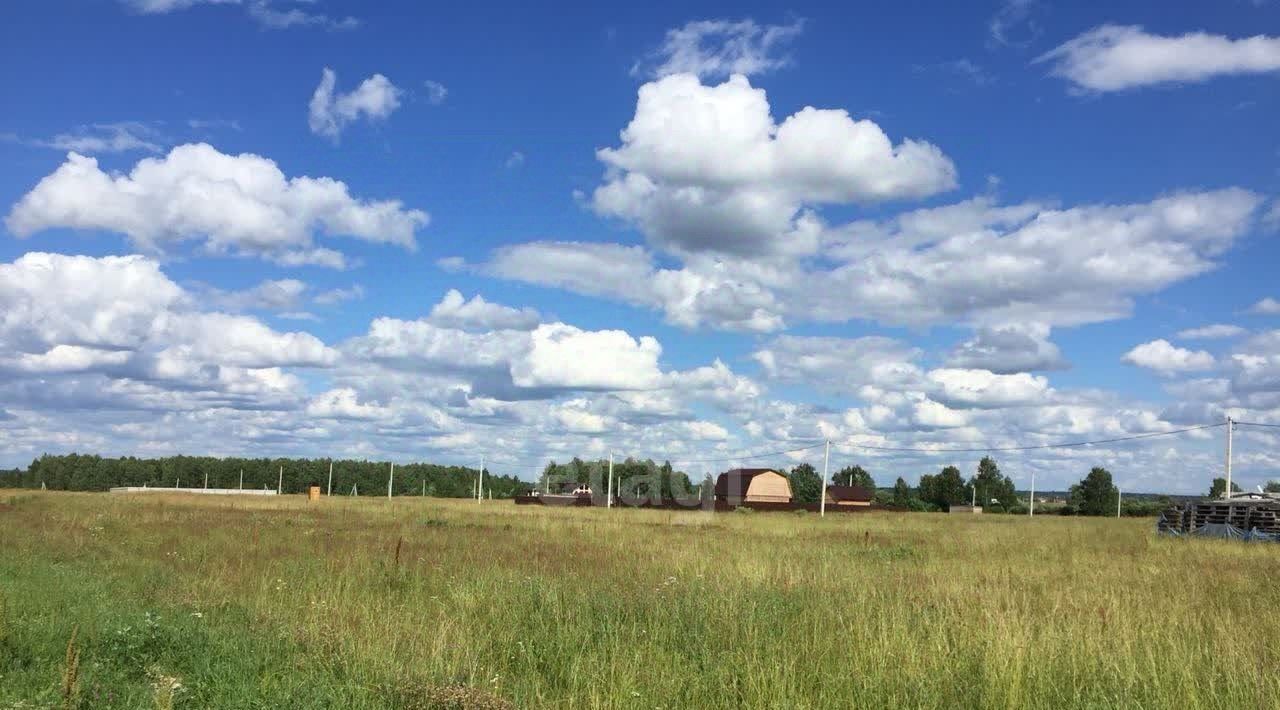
171, 601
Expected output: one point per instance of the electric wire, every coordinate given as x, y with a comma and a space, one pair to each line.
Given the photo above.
1061, 445
749, 457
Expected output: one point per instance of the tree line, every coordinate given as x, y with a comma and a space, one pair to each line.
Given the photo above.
1095, 494
79, 472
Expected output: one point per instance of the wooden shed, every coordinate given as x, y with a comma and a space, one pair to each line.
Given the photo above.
849, 495
753, 485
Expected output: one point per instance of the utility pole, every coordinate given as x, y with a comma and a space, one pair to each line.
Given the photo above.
1119, 495
391, 477
608, 499
1230, 426
822, 490
1032, 510
280, 482
242, 479
480, 482
329, 490
206, 480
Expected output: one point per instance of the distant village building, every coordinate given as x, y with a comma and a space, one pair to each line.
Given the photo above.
849, 496
965, 509
753, 485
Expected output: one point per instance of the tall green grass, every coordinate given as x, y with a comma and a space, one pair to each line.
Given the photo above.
191, 602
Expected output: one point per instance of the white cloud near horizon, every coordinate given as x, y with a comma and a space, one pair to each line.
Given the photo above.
1116, 58
974, 263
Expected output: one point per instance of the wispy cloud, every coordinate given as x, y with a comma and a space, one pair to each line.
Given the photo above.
515, 160
1266, 307
338, 295
122, 137
717, 48
436, 92
331, 111
964, 68
1015, 24
213, 124
1115, 58
270, 14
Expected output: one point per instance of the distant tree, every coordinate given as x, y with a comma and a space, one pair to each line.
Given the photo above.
806, 484
1095, 494
1272, 487
944, 489
854, 476
901, 493
1220, 486
991, 485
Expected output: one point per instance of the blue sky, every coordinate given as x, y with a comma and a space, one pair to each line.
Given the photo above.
998, 224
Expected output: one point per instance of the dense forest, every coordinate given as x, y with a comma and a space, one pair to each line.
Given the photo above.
77, 472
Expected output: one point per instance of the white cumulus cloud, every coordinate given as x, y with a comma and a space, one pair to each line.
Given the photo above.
238, 204
1166, 358
707, 168
454, 311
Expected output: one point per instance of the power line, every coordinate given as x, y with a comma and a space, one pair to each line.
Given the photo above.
1269, 426
750, 456
1063, 445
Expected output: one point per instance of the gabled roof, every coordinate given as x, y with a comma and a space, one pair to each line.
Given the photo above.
850, 493
736, 481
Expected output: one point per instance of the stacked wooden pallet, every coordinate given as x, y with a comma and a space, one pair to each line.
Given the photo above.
1246, 514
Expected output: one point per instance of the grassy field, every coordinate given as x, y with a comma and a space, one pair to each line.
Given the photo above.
188, 602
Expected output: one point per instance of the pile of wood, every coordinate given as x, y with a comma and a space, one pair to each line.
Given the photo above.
1246, 513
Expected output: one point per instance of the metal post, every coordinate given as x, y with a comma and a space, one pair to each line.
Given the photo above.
206, 480
391, 477
608, 500
1032, 510
1119, 495
242, 479
480, 482
1230, 426
822, 490
280, 482
329, 490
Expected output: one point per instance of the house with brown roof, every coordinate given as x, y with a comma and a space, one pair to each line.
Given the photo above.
849, 496
753, 485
